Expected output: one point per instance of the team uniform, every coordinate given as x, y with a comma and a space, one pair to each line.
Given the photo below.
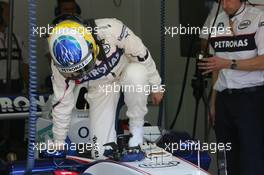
129, 63
240, 94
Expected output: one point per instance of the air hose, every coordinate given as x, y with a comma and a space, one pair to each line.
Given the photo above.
162, 57
32, 42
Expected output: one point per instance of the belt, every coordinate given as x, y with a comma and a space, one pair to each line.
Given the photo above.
243, 90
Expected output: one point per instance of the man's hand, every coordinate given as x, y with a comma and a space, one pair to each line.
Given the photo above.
213, 64
156, 97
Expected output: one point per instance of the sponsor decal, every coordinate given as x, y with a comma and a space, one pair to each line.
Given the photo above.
161, 164
105, 67
124, 33
234, 43
64, 172
76, 67
18, 104
83, 132
231, 44
95, 147
244, 24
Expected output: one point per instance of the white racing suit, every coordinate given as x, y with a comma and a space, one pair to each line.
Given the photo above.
129, 63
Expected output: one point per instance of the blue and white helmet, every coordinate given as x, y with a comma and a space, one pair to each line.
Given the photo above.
72, 48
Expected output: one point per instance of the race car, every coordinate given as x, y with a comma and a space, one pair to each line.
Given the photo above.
152, 160
147, 159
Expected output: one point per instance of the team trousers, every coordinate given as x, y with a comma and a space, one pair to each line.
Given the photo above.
239, 121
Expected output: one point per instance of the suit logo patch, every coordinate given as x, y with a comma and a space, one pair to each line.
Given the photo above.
261, 24
244, 24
